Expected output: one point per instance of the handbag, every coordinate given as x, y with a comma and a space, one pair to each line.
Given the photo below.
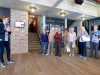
85, 38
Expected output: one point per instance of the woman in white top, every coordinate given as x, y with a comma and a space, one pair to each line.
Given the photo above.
72, 41
82, 43
51, 40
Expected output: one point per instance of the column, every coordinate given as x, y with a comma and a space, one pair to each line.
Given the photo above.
44, 22
66, 22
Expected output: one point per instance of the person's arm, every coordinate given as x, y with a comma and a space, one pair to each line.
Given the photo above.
75, 36
2, 30
86, 33
78, 35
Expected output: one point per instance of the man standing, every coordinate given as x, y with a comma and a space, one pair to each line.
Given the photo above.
2, 36
44, 43
95, 41
7, 40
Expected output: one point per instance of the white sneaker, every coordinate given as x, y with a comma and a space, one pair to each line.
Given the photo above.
73, 54
10, 62
81, 57
70, 55
2, 65
85, 58
46, 54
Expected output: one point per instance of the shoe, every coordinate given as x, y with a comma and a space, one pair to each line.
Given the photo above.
81, 57
85, 58
46, 54
73, 54
43, 54
70, 55
2, 66
10, 62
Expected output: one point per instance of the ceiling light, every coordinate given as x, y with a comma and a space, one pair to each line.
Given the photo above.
63, 13
33, 9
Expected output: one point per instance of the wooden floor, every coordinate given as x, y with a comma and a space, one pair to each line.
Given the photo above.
36, 64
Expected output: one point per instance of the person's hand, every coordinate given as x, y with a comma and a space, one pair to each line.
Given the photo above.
0, 39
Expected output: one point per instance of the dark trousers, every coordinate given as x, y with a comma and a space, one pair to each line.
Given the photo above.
8, 50
94, 49
1, 51
4, 45
83, 51
57, 49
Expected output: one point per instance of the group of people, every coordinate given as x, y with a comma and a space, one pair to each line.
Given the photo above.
48, 40
55, 38
5, 33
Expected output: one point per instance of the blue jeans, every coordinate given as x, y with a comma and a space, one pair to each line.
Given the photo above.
44, 46
83, 51
94, 48
1, 51
8, 49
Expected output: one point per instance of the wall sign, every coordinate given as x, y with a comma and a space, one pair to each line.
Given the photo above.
20, 24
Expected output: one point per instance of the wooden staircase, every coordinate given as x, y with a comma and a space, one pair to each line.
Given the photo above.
33, 42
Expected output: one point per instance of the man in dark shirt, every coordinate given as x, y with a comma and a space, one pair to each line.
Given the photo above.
2, 37
44, 43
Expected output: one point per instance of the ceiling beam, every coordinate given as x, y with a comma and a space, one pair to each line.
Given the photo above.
57, 3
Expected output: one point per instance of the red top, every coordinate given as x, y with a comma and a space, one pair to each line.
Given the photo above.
58, 37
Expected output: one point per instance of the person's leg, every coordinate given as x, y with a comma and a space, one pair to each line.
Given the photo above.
81, 49
42, 46
52, 48
45, 47
92, 49
96, 50
49, 48
59, 49
84, 50
56, 49
8, 50
1, 52
1, 56
71, 48
69, 45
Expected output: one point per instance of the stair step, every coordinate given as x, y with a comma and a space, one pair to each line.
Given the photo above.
34, 42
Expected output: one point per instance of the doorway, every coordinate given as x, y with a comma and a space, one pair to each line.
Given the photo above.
33, 24
33, 34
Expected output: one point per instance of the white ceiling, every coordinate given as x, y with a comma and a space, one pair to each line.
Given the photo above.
44, 7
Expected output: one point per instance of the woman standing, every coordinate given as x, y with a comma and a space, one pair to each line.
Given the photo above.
72, 41
58, 40
82, 36
66, 34
51, 41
